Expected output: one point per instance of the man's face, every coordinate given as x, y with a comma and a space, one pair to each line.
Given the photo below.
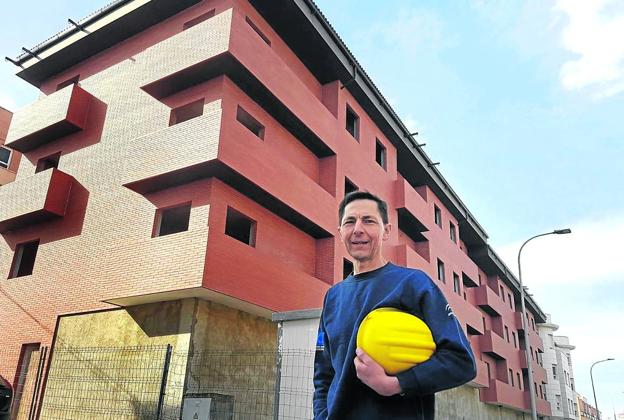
362, 230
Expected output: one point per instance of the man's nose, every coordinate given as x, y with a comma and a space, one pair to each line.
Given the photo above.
358, 226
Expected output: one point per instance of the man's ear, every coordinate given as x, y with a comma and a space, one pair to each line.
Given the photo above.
386, 233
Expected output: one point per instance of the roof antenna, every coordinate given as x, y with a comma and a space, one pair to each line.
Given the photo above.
10, 60
79, 26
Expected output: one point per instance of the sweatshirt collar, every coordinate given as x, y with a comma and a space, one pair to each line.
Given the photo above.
372, 273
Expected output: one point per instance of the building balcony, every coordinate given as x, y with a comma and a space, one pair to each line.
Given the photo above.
536, 341
207, 146
247, 274
539, 373
501, 393
518, 321
407, 257
412, 207
489, 301
233, 52
496, 346
58, 115
34, 199
542, 406
481, 380
174, 155
465, 312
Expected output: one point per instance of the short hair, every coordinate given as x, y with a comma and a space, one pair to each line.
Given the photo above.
382, 206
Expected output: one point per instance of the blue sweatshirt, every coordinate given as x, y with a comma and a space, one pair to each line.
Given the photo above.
339, 394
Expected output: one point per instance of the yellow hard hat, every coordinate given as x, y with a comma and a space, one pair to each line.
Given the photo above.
395, 339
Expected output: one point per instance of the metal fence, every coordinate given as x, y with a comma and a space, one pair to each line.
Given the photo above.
158, 383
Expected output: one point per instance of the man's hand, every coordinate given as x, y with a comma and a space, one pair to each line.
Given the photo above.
373, 375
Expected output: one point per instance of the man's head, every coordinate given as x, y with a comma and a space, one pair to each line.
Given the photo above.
364, 226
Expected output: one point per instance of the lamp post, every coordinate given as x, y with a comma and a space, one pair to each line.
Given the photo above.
592, 381
525, 320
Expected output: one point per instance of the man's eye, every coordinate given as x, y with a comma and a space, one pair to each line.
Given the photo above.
348, 222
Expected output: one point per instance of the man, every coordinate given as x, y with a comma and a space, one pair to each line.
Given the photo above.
348, 383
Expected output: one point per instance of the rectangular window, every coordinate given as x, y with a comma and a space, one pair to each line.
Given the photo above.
250, 122
502, 293
172, 220
380, 154
24, 259
74, 80
510, 300
349, 186
487, 365
5, 157
437, 215
507, 333
240, 227
48, 162
441, 276
513, 334
199, 19
554, 370
518, 378
452, 232
353, 123
186, 112
456, 286
258, 31
511, 377
347, 268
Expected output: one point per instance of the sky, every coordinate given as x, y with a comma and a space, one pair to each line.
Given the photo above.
522, 102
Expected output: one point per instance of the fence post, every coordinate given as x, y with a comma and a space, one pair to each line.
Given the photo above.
33, 402
278, 376
163, 383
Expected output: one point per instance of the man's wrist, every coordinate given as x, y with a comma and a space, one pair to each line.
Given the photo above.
393, 387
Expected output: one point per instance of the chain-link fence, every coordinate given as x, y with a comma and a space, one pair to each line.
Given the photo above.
107, 383
158, 383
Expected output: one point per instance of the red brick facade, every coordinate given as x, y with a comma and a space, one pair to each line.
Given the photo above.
125, 162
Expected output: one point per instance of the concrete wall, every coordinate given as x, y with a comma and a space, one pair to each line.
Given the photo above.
113, 361
232, 357
463, 404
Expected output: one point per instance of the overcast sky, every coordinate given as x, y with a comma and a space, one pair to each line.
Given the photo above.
522, 102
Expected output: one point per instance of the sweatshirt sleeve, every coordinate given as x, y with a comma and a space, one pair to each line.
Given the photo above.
323, 372
453, 363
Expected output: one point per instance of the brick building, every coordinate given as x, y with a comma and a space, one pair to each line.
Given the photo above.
9, 159
586, 410
181, 177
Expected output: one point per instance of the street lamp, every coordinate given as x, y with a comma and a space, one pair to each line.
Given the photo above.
525, 321
592, 381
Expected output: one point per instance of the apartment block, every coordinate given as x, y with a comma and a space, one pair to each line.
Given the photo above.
9, 159
182, 172
557, 359
586, 410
